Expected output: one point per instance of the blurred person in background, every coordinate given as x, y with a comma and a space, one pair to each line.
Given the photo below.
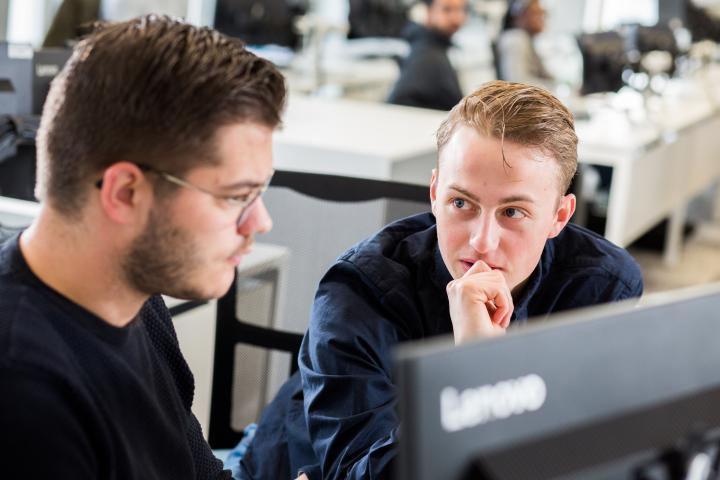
517, 60
427, 79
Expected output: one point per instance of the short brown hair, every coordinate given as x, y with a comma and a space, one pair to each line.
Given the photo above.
152, 90
520, 113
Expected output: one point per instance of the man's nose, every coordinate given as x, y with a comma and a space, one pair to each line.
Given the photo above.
485, 236
258, 220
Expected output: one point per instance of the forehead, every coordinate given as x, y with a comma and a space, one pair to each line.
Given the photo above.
243, 153
472, 158
448, 4
534, 7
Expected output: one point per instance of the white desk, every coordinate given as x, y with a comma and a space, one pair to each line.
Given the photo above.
358, 139
658, 166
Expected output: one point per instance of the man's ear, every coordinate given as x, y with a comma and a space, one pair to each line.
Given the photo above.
124, 192
433, 189
564, 213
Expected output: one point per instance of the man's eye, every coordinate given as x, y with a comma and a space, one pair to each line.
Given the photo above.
514, 213
237, 200
458, 202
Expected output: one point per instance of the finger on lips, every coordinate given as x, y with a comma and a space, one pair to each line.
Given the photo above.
478, 266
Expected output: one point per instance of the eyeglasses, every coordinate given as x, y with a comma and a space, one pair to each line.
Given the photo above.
242, 202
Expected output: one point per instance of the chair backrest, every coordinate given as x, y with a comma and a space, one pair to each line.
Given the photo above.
316, 217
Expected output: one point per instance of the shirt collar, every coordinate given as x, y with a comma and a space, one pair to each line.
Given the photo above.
440, 275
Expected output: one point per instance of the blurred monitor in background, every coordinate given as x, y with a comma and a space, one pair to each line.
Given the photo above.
47, 63
261, 22
74, 17
672, 10
377, 18
70, 20
604, 59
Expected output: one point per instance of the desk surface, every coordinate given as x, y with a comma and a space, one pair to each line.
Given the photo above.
346, 126
609, 136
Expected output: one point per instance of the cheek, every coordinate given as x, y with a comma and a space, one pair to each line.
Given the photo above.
452, 235
518, 238
524, 250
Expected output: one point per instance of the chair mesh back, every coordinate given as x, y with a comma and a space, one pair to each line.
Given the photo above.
317, 233
249, 384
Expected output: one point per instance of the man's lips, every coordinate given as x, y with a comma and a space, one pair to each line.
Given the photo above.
236, 257
467, 264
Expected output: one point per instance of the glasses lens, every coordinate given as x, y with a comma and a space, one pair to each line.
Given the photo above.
245, 212
253, 200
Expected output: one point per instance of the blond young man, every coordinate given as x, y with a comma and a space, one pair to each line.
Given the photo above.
496, 250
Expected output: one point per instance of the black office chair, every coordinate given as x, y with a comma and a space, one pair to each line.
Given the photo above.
236, 339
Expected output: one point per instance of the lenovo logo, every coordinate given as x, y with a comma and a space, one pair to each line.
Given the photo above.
475, 406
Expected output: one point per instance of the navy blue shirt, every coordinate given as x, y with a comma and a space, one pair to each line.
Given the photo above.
338, 419
81, 399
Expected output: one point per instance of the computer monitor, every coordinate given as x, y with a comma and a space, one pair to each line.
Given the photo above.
16, 68
670, 10
377, 18
47, 63
260, 22
30, 73
604, 59
613, 392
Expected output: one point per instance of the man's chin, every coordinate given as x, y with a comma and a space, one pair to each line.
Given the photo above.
204, 292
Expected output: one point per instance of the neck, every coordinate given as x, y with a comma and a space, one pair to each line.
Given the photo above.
82, 265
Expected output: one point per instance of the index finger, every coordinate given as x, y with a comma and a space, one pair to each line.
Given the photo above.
478, 267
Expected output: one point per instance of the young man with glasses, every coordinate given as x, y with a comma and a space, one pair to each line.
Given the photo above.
153, 151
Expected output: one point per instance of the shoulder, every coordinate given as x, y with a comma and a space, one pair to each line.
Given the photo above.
394, 253
28, 336
161, 332
376, 281
580, 251
46, 416
157, 320
514, 38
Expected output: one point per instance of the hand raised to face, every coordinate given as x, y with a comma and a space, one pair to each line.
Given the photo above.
480, 303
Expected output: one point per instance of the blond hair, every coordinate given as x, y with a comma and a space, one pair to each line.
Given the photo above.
520, 113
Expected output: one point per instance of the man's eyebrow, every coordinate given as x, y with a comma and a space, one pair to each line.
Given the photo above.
517, 198
461, 190
243, 184
476, 199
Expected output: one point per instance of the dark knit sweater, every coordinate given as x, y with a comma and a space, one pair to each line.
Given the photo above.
82, 399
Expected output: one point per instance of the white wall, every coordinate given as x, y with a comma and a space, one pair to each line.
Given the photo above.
28, 20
